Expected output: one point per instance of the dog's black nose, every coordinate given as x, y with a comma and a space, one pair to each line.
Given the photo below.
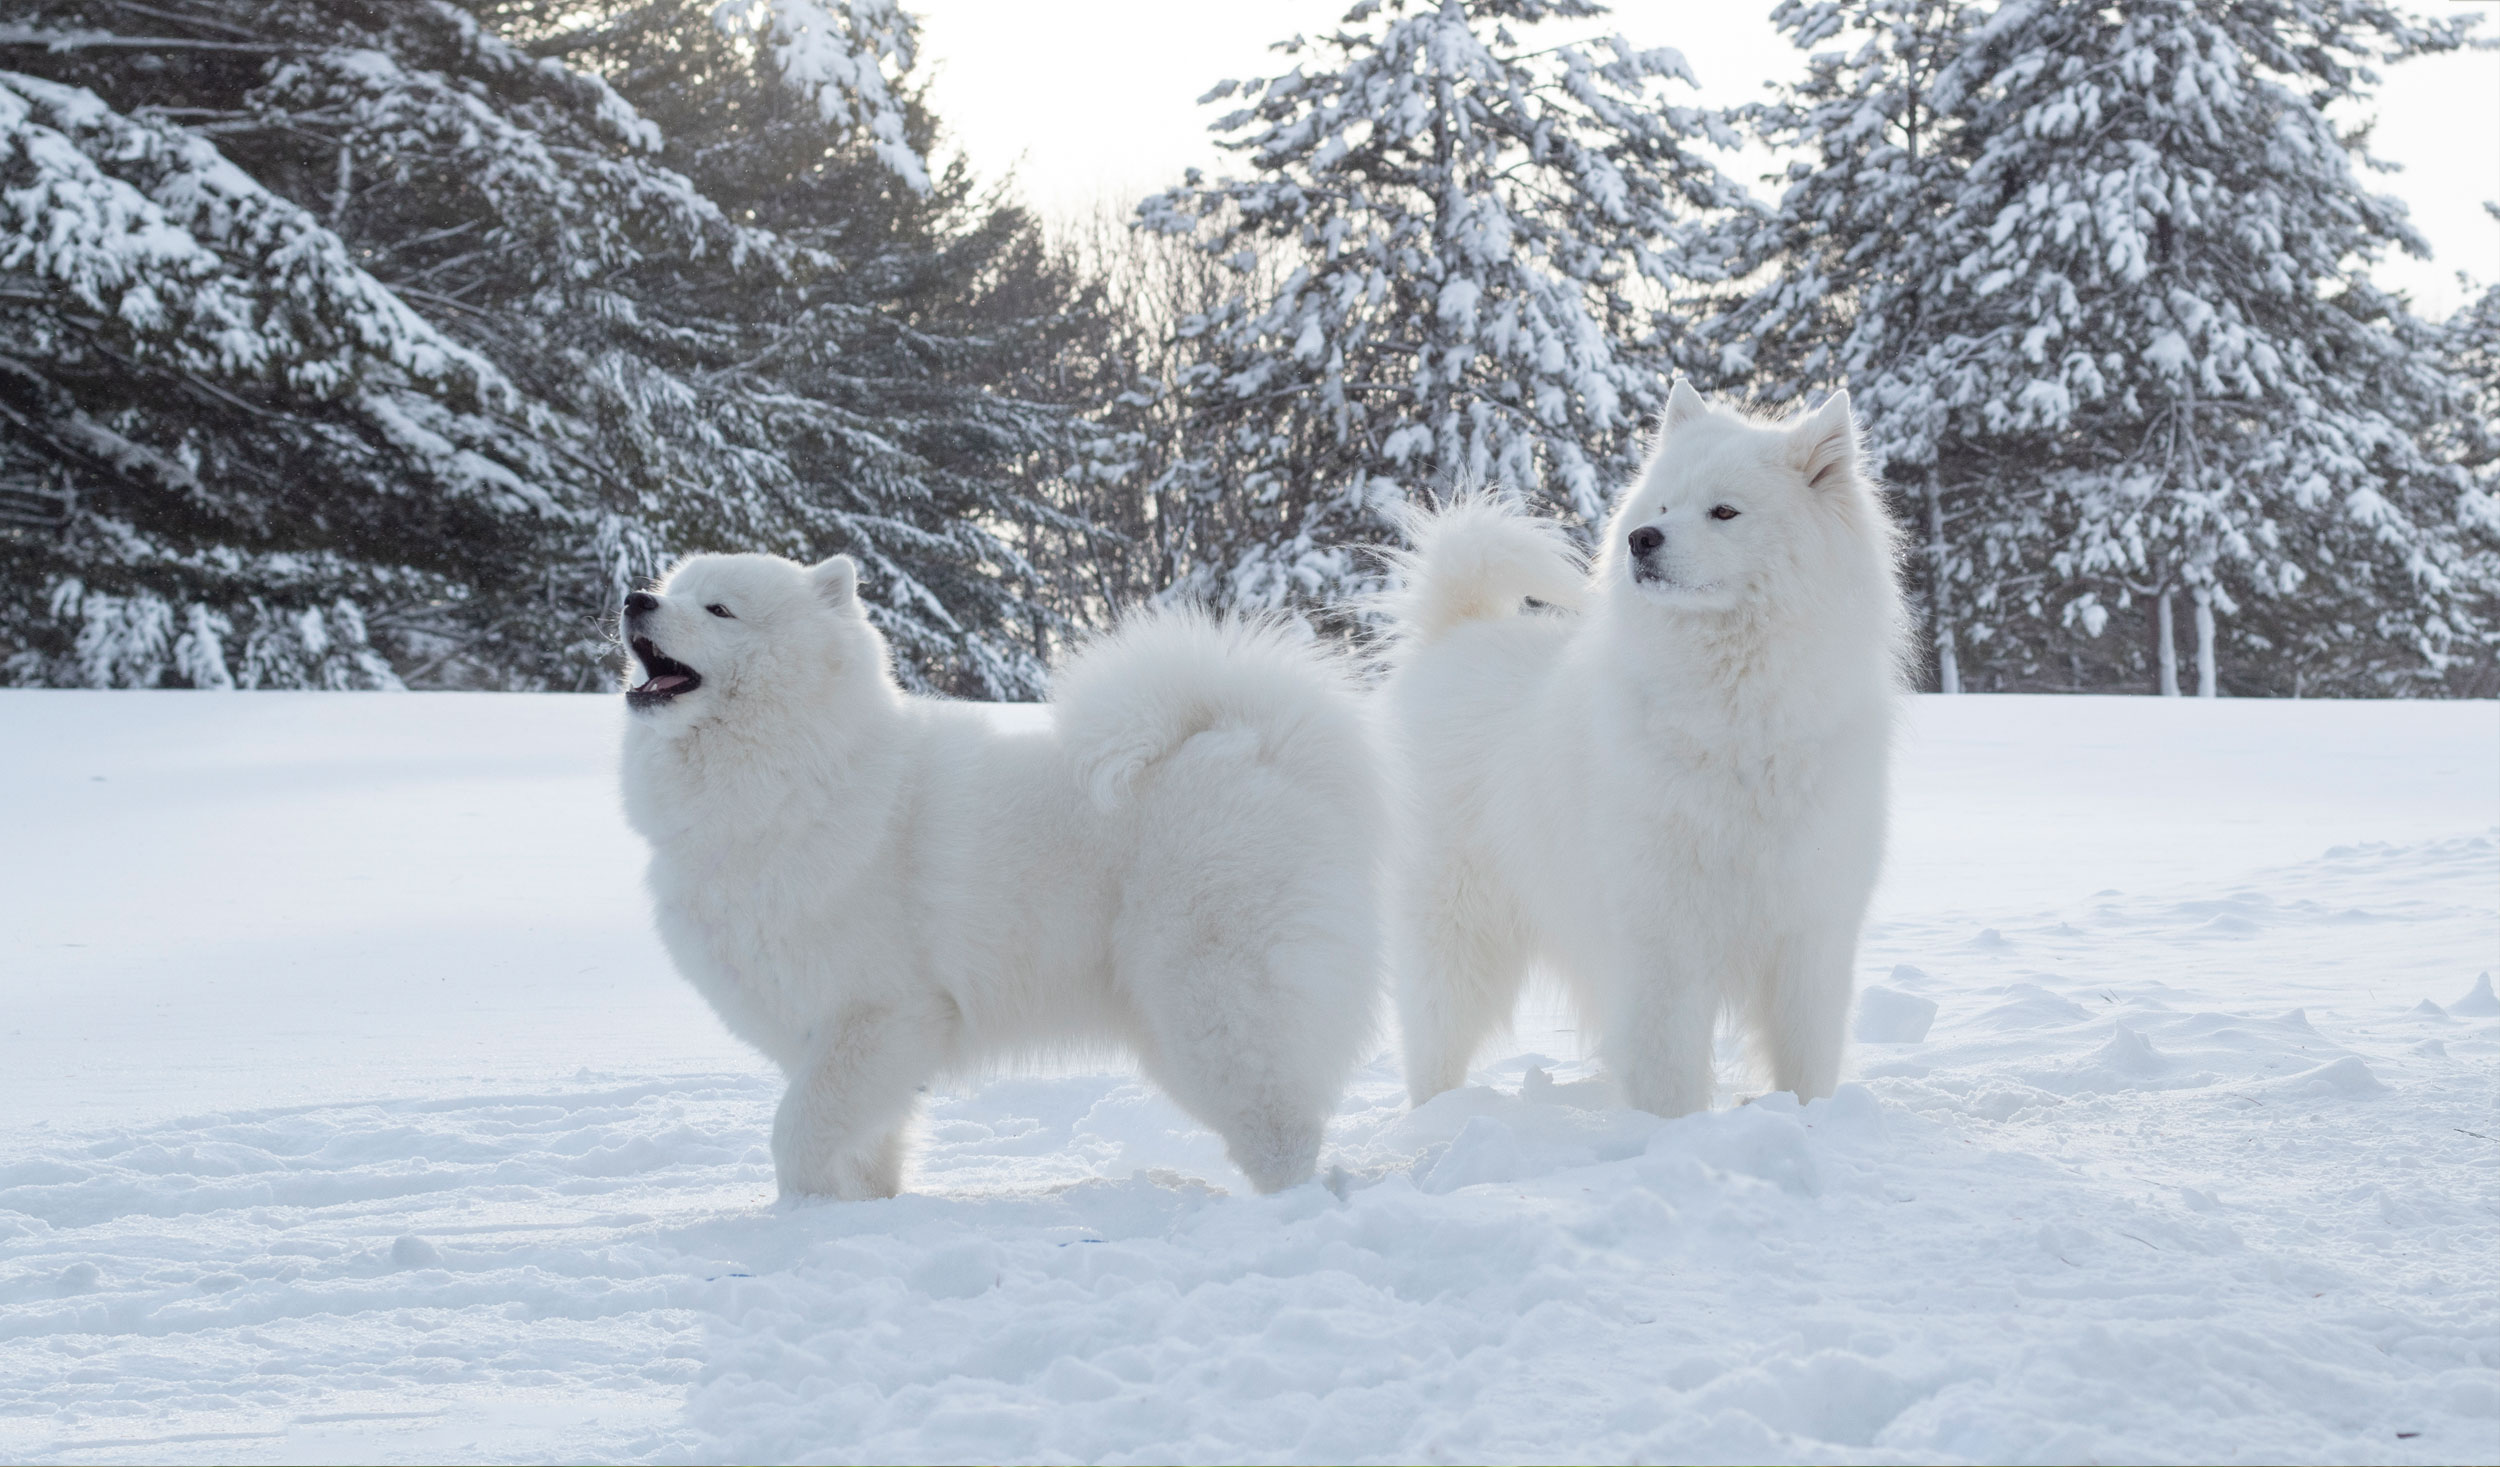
640, 602
1645, 541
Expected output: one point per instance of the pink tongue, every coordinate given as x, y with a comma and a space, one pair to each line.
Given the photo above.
664, 682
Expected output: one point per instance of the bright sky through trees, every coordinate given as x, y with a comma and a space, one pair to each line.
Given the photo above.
1096, 102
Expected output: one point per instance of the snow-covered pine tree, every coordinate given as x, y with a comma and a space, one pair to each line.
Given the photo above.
229, 451
2414, 609
2471, 344
865, 379
2168, 327
461, 189
2469, 439
1452, 244
1839, 275
809, 361
2474, 356
834, 59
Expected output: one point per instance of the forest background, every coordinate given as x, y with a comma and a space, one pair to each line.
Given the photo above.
379, 345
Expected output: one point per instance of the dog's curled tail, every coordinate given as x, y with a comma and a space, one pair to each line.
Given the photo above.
1477, 557
1134, 698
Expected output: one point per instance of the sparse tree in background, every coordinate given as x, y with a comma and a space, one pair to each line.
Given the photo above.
1129, 528
1454, 243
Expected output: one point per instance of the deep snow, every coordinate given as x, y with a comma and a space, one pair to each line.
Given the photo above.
347, 1109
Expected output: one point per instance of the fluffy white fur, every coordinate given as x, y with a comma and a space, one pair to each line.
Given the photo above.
876, 889
1670, 790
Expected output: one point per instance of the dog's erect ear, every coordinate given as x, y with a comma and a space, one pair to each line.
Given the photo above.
1684, 404
1827, 443
836, 579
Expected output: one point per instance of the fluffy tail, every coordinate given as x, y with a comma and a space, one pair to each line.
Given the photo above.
1477, 557
1135, 697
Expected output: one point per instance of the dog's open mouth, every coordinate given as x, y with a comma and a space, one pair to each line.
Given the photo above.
664, 677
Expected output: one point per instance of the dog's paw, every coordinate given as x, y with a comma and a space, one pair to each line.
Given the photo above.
835, 1184
846, 1175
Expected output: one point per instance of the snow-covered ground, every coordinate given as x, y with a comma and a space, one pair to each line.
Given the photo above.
348, 1111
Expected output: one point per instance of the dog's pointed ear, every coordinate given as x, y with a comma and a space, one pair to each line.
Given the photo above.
1827, 443
836, 579
1684, 404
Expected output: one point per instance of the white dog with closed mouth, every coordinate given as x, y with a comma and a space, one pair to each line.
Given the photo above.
876, 889
1672, 794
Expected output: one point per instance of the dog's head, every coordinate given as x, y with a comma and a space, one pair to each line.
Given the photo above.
738, 635
1731, 513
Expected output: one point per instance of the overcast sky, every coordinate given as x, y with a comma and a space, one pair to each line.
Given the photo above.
1094, 102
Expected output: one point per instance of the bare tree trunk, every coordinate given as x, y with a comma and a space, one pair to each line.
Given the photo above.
2165, 645
1948, 666
2206, 672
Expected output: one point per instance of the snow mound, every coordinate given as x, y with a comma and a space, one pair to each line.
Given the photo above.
410, 1251
2347, 1078
1484, 1150
1889, 1016
1478, 1135
2481, 1003
2130, 1053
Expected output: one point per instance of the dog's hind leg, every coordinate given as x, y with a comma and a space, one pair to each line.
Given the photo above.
1271, 1119
841, 1126
1253, 1034
1801, 1009
1254, 1010
1461, 959
1247, 953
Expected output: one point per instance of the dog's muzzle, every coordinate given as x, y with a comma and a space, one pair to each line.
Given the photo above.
1645, 543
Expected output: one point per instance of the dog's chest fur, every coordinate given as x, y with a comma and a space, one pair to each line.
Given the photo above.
757, 870
1730, 736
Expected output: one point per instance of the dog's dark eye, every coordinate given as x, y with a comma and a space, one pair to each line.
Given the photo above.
1723, 511
719, 610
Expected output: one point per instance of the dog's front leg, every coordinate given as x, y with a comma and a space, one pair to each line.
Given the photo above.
841, 1126
1802, 1012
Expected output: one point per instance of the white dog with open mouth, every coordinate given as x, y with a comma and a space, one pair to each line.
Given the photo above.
1671, 793
875, 889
